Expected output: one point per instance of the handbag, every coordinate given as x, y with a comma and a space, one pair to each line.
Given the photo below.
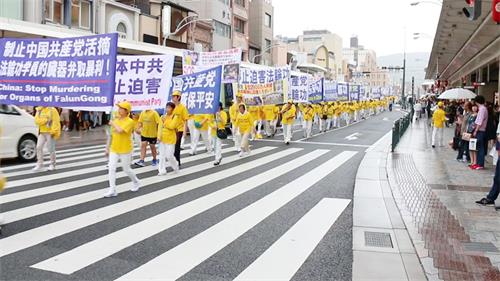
472, 144
221, 134
466, 136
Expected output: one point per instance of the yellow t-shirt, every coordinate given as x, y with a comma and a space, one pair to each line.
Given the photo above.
183, 116
168, 129
288, 117
268, 112
438, 118
48, 121
200, 117
255, 112
244, 122
121, 143
221, 125
150, 120
308, 113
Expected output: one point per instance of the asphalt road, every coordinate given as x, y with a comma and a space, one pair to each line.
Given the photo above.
284, 212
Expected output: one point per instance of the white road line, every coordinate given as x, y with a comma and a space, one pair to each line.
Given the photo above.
57, 175
90, 253
49, 206
46, 232
282, 260
321, 143
64, 151
184, 257
88, 181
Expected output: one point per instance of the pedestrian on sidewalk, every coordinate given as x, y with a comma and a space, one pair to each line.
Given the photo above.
463, 148
418, 110
480, 132
438, 120
49, 127
167, 138
492, 196
121, 148
182, 114
147, 126
471, 125
218, 127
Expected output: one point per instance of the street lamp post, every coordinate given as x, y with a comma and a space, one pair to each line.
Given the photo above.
181, 25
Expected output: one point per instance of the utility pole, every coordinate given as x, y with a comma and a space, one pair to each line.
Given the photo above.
403, 100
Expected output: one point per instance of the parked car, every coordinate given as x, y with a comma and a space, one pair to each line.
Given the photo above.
19, 134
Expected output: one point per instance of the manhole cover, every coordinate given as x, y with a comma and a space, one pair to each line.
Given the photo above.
479, 247
378, 239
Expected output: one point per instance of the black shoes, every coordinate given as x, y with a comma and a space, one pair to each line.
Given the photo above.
486, 202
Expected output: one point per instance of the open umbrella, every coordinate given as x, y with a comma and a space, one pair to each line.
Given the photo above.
457, 94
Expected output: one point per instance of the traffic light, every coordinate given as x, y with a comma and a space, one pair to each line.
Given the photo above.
473, 9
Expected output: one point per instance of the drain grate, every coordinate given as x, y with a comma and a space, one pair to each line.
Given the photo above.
479, 247
378, 239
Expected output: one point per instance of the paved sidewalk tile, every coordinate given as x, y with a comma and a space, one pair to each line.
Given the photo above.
378, 266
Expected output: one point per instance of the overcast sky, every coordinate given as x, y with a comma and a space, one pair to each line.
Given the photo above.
380, 25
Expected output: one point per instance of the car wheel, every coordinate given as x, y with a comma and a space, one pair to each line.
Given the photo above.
26, 149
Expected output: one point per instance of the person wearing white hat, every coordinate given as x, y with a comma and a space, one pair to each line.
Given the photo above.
121, 148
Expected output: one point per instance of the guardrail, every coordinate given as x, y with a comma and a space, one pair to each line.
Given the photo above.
399, 128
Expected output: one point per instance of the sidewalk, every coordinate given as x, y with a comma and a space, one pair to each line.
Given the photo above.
382, 248
455, 238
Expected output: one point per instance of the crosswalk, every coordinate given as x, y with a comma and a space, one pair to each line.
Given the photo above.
58, 224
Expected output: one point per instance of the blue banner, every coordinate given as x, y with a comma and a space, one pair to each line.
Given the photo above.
330, 93
315, 91
66, 72
343, 91
200, 90
376, 93
353, 92
299, 88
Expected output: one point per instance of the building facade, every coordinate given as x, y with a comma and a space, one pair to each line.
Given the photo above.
262, 48
240, 15
323, 49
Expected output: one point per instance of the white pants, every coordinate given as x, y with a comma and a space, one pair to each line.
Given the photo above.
437, 133
125, 163
191, 127
287, 132
245, 146
236, 138
260, 124
308, 128
167, 154
136, 138
45, 139
269, 126
218, 149
335, 121
195, 138
328, 123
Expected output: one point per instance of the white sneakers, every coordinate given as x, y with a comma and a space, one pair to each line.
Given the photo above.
111, 193
52, 167
38, 168
136, 187
160, 174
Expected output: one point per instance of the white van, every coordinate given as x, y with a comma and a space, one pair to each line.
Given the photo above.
19, 133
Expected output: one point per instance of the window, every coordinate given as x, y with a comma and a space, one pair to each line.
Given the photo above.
240, 2
268, 20
268, 46
122, 30
80, 14
53, 11
239, 25
222, 29
8, 109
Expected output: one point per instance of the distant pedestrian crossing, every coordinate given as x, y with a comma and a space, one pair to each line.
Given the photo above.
65, 208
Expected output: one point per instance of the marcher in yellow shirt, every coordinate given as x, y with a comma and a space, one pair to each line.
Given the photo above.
233, 114
255, 112
438, 120
49, 126
244, 123
269, 117
201, 122
183, 117
121, 148
288, 119
147, 126
218, 123
308, 112
167, 136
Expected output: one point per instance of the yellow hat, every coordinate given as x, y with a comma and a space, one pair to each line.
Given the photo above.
290, 101
440, 104
239, 95
125, 105
176, 94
